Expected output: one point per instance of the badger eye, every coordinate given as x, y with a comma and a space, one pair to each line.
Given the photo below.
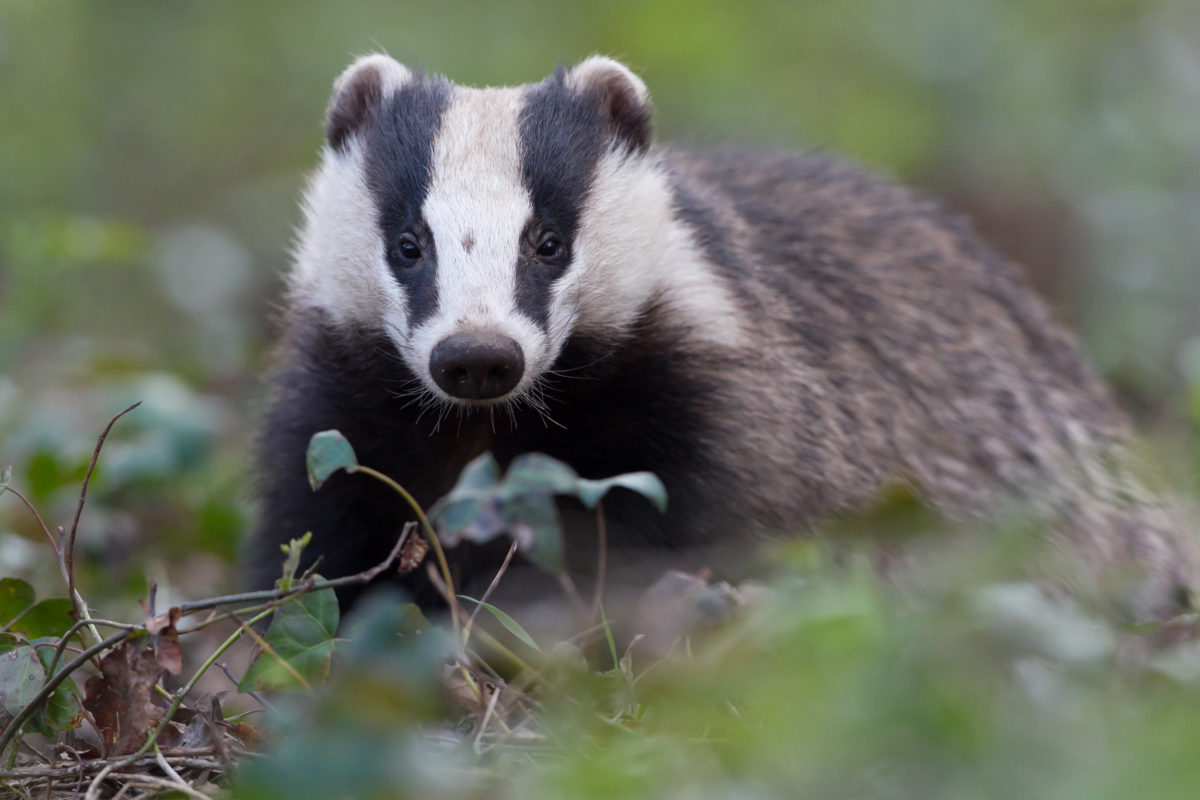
407, 251
550, 247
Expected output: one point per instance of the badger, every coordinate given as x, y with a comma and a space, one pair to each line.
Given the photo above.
776, 335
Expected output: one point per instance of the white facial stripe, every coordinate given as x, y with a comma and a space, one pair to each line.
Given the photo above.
630, 248
340, 264
477, 208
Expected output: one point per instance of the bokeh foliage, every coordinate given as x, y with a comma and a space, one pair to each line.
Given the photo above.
151, 156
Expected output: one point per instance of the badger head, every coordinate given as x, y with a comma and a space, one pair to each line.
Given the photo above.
481, 228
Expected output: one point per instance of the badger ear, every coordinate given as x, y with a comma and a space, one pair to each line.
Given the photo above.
357, 91
622, 96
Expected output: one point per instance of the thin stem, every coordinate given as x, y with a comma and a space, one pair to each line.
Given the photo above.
33, 510
308, 584
451, 597
488, 593
67, 554
601, 559
66, 637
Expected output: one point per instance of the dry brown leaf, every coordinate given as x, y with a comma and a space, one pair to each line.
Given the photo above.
412, 553
121, 698
163, 621
166, 651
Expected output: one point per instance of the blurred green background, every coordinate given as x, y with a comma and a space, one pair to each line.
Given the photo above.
152, 153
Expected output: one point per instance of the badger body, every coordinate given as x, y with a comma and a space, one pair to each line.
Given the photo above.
776, 335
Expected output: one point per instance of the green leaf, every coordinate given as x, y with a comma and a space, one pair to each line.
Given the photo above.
471, 496
21, 678
5, 478
63, 711
15, 596
646, 484
538, 472
328, 451
481, 473
302, 634
510, 624
53, 616
533, 522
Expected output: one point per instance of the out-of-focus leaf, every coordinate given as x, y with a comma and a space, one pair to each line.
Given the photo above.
647, 484
481, 473
537, 472
5, 478
533, 523
301, 634
328, 451
482, 505
15, 596
21, 678
510, 624
63, 710
53, 616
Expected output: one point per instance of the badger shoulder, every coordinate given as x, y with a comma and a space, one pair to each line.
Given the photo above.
879, 304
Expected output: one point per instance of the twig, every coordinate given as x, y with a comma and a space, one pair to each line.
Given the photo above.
200, 759
307, 585
182, 786
486, 718
33, 510
67, 556
93, 792
66, 637
488, 592
262, 701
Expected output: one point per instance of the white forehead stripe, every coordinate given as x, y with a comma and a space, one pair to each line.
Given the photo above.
477, 205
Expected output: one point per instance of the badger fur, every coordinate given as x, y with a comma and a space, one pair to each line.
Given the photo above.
776, 335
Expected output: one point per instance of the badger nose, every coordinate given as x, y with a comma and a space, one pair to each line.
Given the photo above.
477, 366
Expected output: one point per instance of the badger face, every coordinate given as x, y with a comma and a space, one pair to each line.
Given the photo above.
453, 219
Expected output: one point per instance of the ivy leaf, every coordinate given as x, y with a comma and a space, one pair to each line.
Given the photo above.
63, 710
482, 505
646, 484
15, 596
532, 520
465, 504
510, 624
481, 473
328, 451
537, 472
302, 635
21, 678
53, 616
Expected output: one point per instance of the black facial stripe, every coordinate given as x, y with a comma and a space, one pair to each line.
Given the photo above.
563, 135
399, 153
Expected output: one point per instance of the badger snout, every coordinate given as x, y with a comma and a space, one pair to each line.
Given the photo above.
477, 366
